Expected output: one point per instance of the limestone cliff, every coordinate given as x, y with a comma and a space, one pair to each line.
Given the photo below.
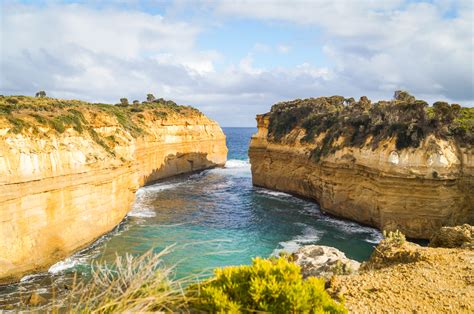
69, 170
393, 165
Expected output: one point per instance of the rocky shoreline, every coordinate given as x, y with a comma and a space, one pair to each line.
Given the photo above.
400, 276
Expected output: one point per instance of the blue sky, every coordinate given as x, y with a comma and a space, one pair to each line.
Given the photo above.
235, 59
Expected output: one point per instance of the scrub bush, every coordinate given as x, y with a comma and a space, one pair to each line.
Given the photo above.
407, 120
270, 285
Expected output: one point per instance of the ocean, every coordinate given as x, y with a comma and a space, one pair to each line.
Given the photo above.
212, 218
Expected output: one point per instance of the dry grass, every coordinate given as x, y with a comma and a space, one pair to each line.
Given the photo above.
131, 284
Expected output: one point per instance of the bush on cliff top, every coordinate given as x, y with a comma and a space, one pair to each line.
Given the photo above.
360, 123
28, 114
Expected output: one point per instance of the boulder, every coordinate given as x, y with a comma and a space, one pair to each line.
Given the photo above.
323, 261
453, 237
36, 299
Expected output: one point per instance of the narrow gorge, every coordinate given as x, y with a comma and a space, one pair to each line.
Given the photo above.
70, 169
397, 164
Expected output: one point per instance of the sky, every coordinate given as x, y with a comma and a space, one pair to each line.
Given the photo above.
235, 59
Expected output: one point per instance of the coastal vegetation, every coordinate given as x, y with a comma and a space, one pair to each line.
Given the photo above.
345, 122
145, 284
43, 115
272, 285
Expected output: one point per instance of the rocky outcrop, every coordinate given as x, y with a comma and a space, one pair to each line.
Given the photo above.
62, 186
413, 189
323, 261
402, 277
451, 237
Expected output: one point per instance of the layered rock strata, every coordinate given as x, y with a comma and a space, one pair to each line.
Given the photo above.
415, 190
59, 191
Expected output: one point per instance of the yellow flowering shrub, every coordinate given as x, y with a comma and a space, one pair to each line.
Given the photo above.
269, 285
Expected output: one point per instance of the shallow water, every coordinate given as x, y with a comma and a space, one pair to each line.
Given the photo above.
215, 218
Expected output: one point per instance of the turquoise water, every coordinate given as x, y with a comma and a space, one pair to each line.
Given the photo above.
214, 218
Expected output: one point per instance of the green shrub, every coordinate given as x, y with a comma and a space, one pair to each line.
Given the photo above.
136, 109
270, 285
12, 101
41, 94
150, 97
160, 114
407, 120
17, 124
341, 268
124, 101
394, 237
40, 119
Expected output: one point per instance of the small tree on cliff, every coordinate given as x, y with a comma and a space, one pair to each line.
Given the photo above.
124, 101
136, 102
41, 94
150, 97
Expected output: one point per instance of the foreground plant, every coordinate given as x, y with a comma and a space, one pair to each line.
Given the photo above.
132, 284
143, 284
269, 285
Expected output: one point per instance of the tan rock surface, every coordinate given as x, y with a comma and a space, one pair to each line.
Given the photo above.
459, 236
434, 280
59, 192
381, 187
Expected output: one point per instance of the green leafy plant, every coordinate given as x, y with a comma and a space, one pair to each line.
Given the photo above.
270, 285
394, 237
341, 268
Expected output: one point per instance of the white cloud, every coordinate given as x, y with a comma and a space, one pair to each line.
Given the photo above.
95, 54
73, 51
283, 48
374, 47
383, 45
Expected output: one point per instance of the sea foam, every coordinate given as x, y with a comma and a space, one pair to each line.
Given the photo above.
309, 236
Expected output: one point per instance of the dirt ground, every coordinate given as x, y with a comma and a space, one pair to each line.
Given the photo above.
435, 280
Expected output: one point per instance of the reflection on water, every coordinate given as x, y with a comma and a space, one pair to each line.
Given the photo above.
215, 218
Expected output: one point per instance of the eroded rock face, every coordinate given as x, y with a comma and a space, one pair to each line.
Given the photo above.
452, 237
59, 192
415, 190
323, 261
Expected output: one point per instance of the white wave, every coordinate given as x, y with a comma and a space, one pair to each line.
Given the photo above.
30, 277
61, 266
375, 238
158, 187
233, 168
272, 193
236, 163
374, 235
140, 208
141, 212
310, 236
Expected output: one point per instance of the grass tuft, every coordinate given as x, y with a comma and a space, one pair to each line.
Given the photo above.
132, 284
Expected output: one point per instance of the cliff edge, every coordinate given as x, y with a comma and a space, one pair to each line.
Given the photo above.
398, 164
403, 277
70, 169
